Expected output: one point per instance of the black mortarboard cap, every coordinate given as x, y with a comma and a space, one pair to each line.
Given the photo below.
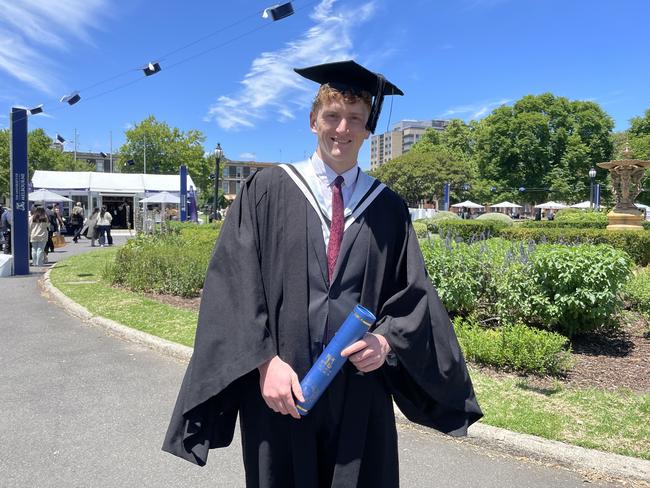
130, 162
36, 110
349, 76
279, 11
151, 69
60, 138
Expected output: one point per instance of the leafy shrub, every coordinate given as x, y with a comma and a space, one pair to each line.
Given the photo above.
646, 224
516, 346
635, 243
432, 222
420, 229
450, 267
172, 263
497, 217
581, 218
470, 230
565, 289
637, 291
582, 284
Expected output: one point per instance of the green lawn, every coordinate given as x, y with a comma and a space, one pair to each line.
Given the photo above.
608, 421
80, 278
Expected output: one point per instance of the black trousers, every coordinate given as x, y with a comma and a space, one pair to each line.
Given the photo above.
347, 440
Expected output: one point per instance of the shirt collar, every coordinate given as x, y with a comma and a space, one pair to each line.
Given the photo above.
327, 175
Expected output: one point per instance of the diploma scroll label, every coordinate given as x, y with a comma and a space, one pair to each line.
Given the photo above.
330, 361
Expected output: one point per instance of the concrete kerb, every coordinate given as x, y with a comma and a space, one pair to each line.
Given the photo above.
573, 457
162, 346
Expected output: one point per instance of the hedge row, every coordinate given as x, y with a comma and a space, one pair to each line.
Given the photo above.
635, 243
470, 230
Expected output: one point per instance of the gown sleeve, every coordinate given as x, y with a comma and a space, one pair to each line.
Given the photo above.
232, 336
429, 380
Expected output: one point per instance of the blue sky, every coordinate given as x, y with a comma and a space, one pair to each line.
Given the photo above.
459, 58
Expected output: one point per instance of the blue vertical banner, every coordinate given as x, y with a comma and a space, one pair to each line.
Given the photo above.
19, 177
597, 196
183, 202
445, 202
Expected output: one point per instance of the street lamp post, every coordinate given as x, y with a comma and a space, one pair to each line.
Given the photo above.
592, 175
218, 154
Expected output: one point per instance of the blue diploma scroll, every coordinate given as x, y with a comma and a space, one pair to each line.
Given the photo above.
330, 361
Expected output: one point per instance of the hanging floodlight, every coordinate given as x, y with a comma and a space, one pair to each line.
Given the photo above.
278, 11
36, 110
151, 69
71, 99
60, 138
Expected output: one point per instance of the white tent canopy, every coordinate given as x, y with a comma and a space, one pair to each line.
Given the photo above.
108, 182
467, 204
43, 195
505, 204
162, 197
551, 205
585, 204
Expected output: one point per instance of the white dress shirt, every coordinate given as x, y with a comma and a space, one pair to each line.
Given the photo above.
326, 177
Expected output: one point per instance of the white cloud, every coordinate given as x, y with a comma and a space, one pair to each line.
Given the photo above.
30, 29
475, 111
272, 87
247, 156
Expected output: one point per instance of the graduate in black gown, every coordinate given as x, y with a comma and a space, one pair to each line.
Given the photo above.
302, 244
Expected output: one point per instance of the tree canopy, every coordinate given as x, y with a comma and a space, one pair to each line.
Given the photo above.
545, 145
40, 155
421, 174
167, 148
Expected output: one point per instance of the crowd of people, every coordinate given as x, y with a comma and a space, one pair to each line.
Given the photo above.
46, 225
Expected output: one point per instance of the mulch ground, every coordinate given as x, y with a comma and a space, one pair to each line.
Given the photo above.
612, 360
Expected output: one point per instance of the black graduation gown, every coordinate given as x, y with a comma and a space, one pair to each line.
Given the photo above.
266, 293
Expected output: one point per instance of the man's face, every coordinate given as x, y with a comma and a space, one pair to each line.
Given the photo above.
341, 130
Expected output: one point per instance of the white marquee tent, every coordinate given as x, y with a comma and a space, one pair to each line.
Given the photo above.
121, 183
120, 193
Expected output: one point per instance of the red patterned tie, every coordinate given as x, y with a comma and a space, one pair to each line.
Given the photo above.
336, 229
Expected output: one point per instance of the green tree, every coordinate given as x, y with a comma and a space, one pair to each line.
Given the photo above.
167, 148
41, 155
420, 175
539, 141
638, 137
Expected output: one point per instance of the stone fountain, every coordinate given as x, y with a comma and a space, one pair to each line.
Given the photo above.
627, 182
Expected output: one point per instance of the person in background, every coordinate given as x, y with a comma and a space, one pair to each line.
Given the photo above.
90, 227
54, 227
39, 226
104, 227
59, 218
5, 230
76, 221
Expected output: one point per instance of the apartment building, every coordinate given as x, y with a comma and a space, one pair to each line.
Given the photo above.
234, 173
400, 139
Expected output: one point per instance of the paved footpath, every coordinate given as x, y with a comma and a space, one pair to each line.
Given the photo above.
80, 408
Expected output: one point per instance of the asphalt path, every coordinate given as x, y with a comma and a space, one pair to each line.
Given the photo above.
80, 408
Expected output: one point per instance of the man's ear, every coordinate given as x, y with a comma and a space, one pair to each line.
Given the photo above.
312, 122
